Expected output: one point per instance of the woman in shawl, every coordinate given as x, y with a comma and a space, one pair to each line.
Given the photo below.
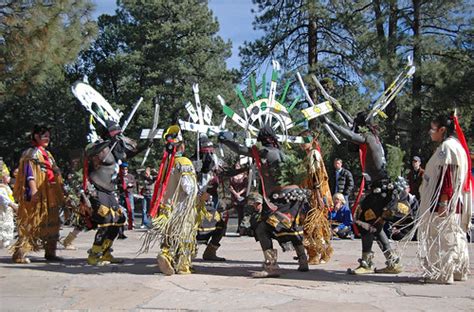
39, 192
446, 205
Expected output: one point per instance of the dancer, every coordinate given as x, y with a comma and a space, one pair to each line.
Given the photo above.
282, 203
212, 227
238, 185
380, 197
101, 169
174, 208
317, 231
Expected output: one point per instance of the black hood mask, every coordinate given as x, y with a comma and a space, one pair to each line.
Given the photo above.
267, 136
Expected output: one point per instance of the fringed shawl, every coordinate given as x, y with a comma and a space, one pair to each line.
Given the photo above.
442, 246
37, 222
176, 225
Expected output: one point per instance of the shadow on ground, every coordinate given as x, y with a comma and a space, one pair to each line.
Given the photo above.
147, 266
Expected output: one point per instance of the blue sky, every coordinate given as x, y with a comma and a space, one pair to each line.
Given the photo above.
234, 16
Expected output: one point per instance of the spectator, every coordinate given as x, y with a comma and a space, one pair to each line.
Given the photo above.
7, 207
342, 180
13, 178
39, 191
69, 188
238, 190
127, 186
415, 177
252, 213
149, 178
341, 217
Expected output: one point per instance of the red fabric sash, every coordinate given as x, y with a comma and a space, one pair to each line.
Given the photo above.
159, 192
463, 142
362, 156
47, 163
258, 162
158, 181
206, 150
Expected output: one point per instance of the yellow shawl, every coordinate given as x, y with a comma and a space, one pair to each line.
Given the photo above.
39, 222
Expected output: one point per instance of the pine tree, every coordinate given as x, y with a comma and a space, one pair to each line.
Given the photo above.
312, 37
39, 38
159, 49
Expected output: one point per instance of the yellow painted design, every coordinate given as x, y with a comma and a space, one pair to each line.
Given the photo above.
289, 233
103, 210
369, 215
183, 161
110, 224
278, 107
273, 221
202, 229
403, 208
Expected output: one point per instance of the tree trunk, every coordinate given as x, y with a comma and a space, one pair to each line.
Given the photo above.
393, 131
416, 115
312, 49
387, 52
312, 52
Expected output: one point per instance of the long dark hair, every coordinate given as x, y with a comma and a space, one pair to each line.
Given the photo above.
39, 129
446, 121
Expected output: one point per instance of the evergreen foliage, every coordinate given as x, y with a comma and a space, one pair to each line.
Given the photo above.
160, 48
362, 46
39, 38
394, 161
155, 49
292, 170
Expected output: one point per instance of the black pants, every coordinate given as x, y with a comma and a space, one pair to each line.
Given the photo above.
214, 237
367, 239
240, 215
218, 233
112, 219
376, 202
103, 233
264, 234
